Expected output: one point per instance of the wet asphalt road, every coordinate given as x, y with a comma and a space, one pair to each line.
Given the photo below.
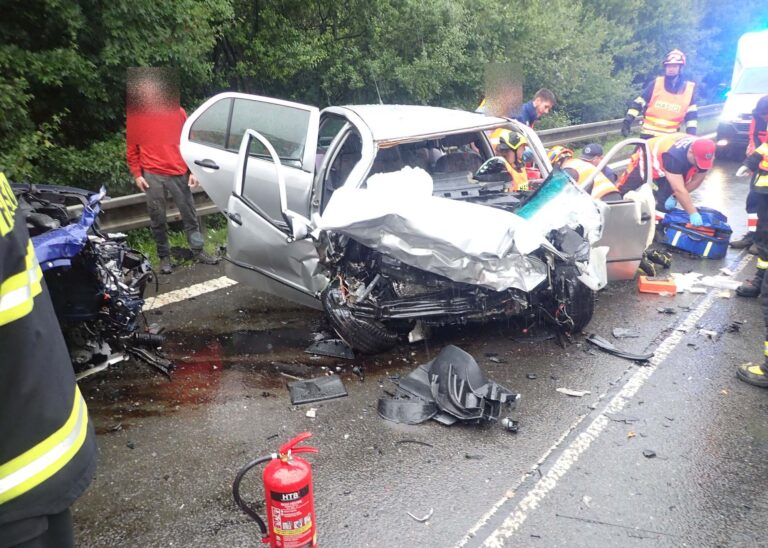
574, 475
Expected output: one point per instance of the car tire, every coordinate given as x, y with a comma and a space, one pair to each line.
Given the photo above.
582, 306
364, 335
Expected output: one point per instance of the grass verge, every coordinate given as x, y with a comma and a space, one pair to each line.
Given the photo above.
213, 228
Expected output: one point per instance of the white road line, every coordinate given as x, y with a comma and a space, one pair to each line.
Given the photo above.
187, 293
578, 446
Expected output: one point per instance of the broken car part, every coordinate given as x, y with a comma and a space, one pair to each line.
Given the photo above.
448, 388
607, 346
319, 389
333, 348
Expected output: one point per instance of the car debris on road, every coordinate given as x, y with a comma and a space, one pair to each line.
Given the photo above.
448, 389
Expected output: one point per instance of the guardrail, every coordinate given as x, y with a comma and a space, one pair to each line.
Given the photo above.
130, 212
587, 132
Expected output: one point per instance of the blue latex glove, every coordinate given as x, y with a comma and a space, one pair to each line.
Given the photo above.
670, 203
695, 219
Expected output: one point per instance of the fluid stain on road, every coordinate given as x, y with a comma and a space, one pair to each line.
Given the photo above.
211, 367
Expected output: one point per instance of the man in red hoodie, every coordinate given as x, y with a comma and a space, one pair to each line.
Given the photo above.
153, 131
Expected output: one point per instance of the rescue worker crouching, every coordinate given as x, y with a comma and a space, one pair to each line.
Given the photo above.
48, 449
601, 188
512, 148
667, 102
757, 164
679, 164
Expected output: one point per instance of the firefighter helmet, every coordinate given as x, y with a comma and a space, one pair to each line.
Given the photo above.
674, 57
510, 141
558, 153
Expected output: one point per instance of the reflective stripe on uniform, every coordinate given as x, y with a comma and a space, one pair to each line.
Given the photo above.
18, 292
765, 348
752, 222
36, 465
762, 264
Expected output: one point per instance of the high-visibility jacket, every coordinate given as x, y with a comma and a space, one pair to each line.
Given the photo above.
758, 162
47, 446
519, 177
666, 111
758, 133
601, 185
658, 147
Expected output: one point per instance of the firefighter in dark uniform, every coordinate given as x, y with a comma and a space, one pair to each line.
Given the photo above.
758, 134
48, 449
666, 103
757, 164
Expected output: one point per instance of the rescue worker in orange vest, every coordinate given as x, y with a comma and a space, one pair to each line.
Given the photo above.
679, 164
758, 134
579, 170
757, 165
667, 102
48, 450
512, 148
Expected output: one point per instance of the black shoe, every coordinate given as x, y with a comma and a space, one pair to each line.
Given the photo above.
646, 268
165, 265
203, 258
747, 240
748, 289
659, 257
752, 374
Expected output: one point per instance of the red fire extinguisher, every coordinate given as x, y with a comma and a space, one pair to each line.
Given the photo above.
290, 499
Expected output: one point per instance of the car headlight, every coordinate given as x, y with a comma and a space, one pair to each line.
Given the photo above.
730, 112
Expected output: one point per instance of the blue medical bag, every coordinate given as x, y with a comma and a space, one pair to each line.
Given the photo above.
709, 240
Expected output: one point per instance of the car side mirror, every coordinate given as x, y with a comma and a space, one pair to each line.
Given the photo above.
300, 226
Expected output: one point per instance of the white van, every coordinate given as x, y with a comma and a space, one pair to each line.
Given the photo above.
748, 84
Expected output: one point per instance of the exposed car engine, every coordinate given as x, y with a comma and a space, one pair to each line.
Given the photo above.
96, 281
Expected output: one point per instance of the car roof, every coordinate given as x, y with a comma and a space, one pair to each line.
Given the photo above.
397, 123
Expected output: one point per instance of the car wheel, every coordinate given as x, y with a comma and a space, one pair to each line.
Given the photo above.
362, 334
581, 306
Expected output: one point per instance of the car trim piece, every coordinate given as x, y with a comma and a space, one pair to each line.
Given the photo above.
271, 276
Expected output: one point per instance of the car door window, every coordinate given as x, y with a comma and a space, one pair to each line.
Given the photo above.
284, 126
347, 157
212, 126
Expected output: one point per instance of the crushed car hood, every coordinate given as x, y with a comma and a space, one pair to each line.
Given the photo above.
465, 242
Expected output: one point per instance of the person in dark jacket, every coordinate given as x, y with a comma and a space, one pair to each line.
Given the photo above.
593, 153
534, 109
756, 164
48, 449
758, 134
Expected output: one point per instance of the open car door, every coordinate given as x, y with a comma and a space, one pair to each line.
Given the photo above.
211, 138
267, 243
629, 223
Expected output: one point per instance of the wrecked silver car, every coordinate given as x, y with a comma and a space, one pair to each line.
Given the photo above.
375, 214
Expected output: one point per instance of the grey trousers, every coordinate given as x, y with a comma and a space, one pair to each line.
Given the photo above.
176, 186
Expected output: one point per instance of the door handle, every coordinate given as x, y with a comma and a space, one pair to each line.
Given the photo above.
209, 164
235, 218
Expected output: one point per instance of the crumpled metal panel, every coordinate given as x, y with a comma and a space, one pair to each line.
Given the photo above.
465, 242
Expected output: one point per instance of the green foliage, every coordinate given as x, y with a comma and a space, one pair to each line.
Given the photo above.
64, 62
